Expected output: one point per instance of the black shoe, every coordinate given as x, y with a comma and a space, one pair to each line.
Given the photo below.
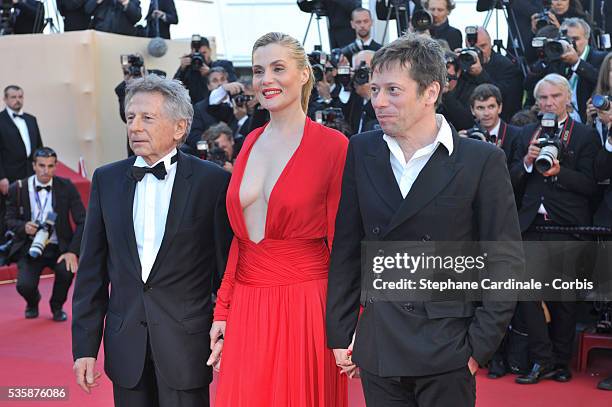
31, 310
59, 316
538, 372
497, 369
605, 384
563, 374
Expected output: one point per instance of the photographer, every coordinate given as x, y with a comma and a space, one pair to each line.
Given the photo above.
31, 204
598, 114
361, 22
498, 70
486, 104
75, 17
455, 95
441, 29
195, 67
222, 147
114, 16
356, 105
555, 12
164, 15
553, 168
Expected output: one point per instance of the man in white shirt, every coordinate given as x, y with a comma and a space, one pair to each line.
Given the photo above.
157, 232
417, 180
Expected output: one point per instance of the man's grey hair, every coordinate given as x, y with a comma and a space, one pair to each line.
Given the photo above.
555, 80
177, 103
576, 22
422, 56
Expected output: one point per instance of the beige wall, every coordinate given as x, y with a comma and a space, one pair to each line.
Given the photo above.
69, 81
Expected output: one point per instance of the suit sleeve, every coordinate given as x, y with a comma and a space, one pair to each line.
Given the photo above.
497, 219
344, 282
90, 299
587, 72
92, 5
171, 14
582, 179
77, 211
133, 11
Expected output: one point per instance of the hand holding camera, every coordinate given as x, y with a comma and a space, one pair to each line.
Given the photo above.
31, 228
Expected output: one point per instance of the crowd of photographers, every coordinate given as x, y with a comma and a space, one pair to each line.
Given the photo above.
544, 99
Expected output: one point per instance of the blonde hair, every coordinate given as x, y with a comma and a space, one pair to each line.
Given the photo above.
297, 53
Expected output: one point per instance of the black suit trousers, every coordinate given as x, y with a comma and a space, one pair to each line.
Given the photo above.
456, 388
28, 277
152, 391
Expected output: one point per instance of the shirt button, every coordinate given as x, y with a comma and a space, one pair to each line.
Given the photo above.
147, 287
376, 230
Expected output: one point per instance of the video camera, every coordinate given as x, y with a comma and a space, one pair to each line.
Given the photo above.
421, 20
548, 142
41, 238
132, 65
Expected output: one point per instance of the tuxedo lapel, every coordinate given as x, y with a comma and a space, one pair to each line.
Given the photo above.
435, 176
180, 196
126, 209
378, 167
31, 130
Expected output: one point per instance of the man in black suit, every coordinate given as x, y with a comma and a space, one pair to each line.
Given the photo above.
456, 94
559, 196
361, 22
29, 202
164, 15
417, 180
486, 104
75, 17
583, 63
441, 29
156, 231
114, 16
355, 103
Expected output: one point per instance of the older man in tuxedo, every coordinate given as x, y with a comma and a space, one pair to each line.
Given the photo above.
157, 232
417, 180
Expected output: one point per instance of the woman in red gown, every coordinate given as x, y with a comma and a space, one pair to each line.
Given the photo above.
269, 319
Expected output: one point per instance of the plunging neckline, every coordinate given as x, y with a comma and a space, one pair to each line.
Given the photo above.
274, 187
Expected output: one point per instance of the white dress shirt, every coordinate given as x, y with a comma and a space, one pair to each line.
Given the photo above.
150, 210
495, 130
41, 203
23, 129
406, 173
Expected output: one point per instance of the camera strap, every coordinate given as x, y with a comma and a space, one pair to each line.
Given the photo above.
500, 140
41, 208
566, 134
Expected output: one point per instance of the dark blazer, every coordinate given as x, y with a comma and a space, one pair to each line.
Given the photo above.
30, 17
202, 120
455, 104
567, 197
75, 17
14, 164
446, 32
168, 7
174, 308
507, 76
587, 72
603, 171
509, 135
110, 16
353, 111
448, 202
66, 202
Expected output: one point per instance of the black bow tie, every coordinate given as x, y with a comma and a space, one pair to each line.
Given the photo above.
40, 188
18, 115
159, 170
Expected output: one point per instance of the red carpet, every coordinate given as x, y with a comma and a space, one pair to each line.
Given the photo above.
37, 353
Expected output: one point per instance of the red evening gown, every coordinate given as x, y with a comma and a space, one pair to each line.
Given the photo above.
274, 292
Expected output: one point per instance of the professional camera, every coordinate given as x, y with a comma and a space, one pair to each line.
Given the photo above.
313, 6
543, 19
554, 48
471, 35
548, 142
477, 132
348, 50
601, 102
217, 155
132, 65
344, 75
317, 59
467, 57
241, 99
329, 115
197, 59
421, 20
362, 74
41, 238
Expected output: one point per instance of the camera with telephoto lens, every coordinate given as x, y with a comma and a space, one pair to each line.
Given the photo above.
348, 50
601, 102
542, 19
362, 74
241, 99
548, 142
317, 59
421, 20
477, 132
344, 75
554, 48
471, 35
41, 238
132, 65
468, 57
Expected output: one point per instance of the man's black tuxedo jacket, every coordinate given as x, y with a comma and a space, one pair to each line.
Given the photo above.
14, 164
565, 199
603, 171
510, 135
66, 202
174, 306
466, 196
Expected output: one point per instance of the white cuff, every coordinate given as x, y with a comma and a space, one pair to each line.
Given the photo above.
528, 168
217, 96
608, 145
344, 96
